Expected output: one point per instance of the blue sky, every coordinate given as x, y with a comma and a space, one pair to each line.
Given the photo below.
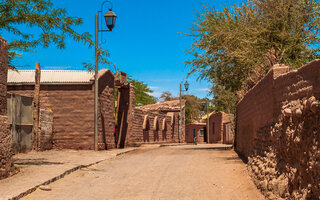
146, 42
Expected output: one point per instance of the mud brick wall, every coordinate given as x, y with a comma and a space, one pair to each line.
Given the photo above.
3, 76
285, 160
73, 112
216, 128
262, 104
131, 117
189, 133
278, 130
106, 123
46, 129
72, 106
139, 136
6, 164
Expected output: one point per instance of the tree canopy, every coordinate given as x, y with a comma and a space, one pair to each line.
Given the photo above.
143, 93
235, 47
166, 96
55, 25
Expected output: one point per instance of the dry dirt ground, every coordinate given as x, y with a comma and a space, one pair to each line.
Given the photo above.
175, 172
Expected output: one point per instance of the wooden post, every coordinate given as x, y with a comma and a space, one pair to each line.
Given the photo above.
36, 109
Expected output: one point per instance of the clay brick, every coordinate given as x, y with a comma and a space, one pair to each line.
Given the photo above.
73, 112
6, 163
262, 103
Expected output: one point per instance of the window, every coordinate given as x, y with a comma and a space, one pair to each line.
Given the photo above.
201, 132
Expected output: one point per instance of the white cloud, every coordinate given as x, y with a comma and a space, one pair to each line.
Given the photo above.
154, 87
203, 89
155, 94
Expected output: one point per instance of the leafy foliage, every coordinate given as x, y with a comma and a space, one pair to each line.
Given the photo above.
54, 23
192, 108
234, 48
143, 92
195, 107
166, 96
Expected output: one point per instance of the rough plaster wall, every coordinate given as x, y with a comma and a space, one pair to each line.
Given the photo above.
73, 109
215, 122
46, 128
139, 136
256, 110
175, 129
106, 118
189, 133
130, 119
285, 161
72, 106
6, 164
278, 129
216, 129
3, 76
262, 104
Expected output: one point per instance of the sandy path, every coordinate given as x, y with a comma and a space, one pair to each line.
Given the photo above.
181, 172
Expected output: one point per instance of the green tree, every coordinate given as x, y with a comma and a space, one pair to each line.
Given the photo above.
143, 93
192, 108
234, 48
54, 24
166, 96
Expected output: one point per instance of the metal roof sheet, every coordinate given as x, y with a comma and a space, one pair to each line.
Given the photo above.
49, 77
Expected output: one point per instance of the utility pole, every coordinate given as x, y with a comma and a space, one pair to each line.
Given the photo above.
110, 18
96, 84
36, 110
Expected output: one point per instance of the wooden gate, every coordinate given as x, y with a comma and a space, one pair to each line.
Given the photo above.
19, 109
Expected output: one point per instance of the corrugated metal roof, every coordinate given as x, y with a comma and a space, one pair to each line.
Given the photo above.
26, 77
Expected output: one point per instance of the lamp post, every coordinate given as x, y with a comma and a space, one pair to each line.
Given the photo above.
110, 18
186, 86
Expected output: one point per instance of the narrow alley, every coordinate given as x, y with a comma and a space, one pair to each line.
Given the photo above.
172, 172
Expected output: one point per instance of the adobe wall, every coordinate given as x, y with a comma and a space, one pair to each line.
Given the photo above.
216, 126
131, 116
106, 124
46, 130
261, 106
6, 163
72, 107
189, 133
154, 133
73, 112
256, 110
3, 75
285, 161
278, 130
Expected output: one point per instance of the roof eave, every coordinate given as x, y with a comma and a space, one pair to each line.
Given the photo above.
20, 84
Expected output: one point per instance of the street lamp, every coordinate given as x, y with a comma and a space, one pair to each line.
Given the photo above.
186, 86
110, 18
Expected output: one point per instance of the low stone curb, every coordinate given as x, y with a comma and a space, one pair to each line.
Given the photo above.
23, 194
172, 145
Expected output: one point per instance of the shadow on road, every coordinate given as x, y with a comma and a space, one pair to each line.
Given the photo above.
242, 157
209, 148
37, 161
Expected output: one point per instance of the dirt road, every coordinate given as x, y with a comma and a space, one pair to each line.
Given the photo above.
177, 172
